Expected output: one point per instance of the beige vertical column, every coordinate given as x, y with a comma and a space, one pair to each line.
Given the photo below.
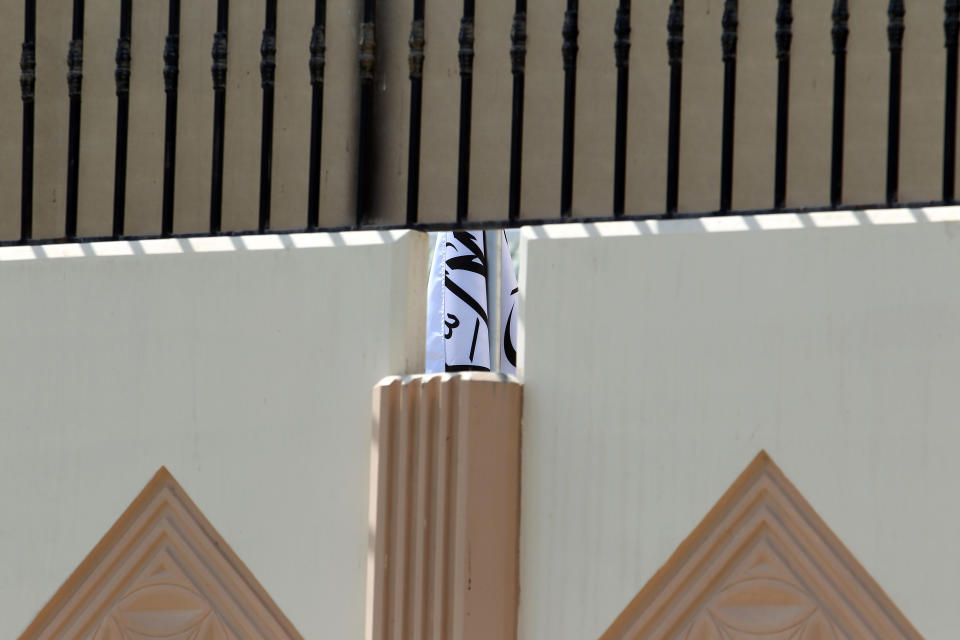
444, 508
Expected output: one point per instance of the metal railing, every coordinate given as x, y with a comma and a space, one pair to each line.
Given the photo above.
377, 111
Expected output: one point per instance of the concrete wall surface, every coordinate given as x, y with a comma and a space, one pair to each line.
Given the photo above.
242, 364
659, 358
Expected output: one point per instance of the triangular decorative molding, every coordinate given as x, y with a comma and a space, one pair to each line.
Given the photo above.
761, 565
162, 571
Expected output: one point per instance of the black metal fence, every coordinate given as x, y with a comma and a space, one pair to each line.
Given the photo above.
314, 60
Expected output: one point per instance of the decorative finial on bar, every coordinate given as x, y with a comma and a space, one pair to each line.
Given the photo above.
518, 43
466, 52
268, 58
368, 50
570, 32
840, 31
730, 23
219, 53
75, 67
171, 62
122, 73
675, 32
784, 31
28, 68
417, 43
621, 29
318, 51
895, 29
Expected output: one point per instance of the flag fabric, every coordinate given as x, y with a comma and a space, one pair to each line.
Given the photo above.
458, 322
509, 297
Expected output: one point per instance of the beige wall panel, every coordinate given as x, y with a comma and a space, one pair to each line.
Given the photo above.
52, 109
291, 125
756, 109
98, 119
543, 111
241, 161
147, 115
338, 184
648, 109
11, 124
198, 21
391, 113
441, 113
492, 112
827, 339
701, 113
595, 125
868, 70
811, 105
223, 360
921, 107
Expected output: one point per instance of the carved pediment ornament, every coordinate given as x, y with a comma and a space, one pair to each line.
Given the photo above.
162, 571
762, 565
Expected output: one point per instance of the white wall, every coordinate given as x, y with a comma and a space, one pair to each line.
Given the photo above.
245, 365
658, 359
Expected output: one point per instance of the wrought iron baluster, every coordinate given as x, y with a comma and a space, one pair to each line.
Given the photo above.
219, 72
171, 75
569, 51
784, 37
365, 150
122, 77
465, 56
839, 33
951, 27
318, 50
675, 52
729, 44
621, 48
28, 79
416, 58
895, 28
518, 58
74, 86
268, 66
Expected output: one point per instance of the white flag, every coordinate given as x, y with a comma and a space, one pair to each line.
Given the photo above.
457, 324
458, 321
509, 298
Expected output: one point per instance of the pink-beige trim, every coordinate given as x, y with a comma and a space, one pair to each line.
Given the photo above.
161, 571
761, 564
445, 508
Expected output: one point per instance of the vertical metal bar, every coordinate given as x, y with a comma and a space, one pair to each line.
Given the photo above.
171, 75
28, 79
839, 33
621, 49
219, 72
417, 43
268, 66
895, 29
784, 37
368, 59
466, 109
569, 51
728, 41
675, 52
518, 59
318, 49
951, 27
74, 84
122, 77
